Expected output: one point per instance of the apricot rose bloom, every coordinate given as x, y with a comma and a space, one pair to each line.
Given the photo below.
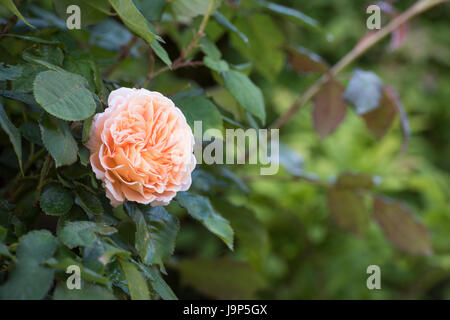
141, 148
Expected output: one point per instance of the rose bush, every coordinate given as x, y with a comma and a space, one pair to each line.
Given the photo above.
96, 149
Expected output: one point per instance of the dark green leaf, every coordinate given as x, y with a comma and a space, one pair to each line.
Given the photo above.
87, 292
56, 200
289, 12
12, 132
157, 282
224, 22
246, 93
58, 140
89, 202
156, 231
12, 7
216, 65
200, 208
8, 72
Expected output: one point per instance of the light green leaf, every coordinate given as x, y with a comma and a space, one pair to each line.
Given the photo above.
136, 282
246, 93
64, 95
209, 48
58, 140
133, 19
156, 231
12, 7
200, 208
157, 282
83, 233
199, 108
216, 65
56, 200
12, 132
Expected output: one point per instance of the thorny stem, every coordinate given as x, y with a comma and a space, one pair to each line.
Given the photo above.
360, 48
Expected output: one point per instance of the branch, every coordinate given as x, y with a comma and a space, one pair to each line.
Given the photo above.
361, 47
178, 63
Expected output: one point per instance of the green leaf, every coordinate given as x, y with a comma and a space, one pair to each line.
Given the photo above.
136, 282
401, 228
224, 22
199, 108
64, 95
8, 72
216, 65
29, 280
267, 56
12, 132
295, 15
348, 210
86, 273
91, 11
157, 282
185, 10
161, 53
364, 91
133, 19
58, 140
83, 233
151, 10
12, 7
87, 292
209, 48
246, 93
329, 108
56, 200
200, 208
221, 278
156, 231
89, 202
31, 132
